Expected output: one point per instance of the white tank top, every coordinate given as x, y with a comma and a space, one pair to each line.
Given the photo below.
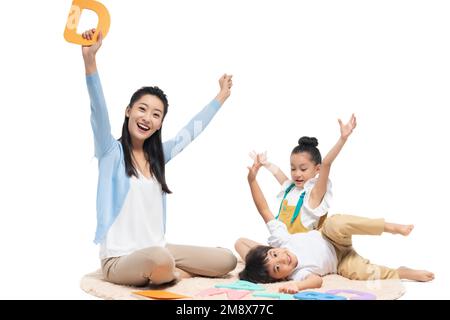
140, 222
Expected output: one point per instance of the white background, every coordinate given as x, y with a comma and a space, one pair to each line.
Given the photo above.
297, 66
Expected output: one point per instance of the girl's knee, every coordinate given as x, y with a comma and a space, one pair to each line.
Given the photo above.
336, 218
335, 222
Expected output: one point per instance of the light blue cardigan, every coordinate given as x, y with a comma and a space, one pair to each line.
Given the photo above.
113, 182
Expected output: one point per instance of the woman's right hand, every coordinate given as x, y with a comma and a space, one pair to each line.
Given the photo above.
89, 52
225, 83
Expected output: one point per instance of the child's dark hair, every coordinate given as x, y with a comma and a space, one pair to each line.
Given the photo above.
309, 145
255, 266
152, 146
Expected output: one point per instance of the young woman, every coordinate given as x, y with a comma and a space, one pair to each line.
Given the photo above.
132, 186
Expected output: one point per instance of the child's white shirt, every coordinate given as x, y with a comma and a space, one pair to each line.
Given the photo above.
314, 253
140, 222
309, 216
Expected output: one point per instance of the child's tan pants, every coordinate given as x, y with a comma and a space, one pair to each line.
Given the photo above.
338, 230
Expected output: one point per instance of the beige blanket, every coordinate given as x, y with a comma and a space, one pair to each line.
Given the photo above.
94, 284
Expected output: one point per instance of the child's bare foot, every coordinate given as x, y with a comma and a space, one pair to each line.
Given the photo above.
417, 275
394, 228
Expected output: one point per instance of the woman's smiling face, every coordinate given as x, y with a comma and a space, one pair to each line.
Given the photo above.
145, 117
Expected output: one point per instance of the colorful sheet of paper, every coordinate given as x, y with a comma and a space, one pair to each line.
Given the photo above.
275, 295
160, 294
355, 295
231, 294
242, 285
312, 295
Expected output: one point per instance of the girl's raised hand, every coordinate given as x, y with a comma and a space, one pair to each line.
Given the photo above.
262, 157
347, 129
253, 170
89, 52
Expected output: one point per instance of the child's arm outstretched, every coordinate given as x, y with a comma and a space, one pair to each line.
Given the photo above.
257, 195
273, 168
320, 188
312, 281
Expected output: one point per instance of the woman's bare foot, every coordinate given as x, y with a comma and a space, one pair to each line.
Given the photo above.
394, 228
417, 275
181, 274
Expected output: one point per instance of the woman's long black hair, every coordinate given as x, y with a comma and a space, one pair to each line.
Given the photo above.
153, 148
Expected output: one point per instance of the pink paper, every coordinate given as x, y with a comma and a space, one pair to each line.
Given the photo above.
231, 294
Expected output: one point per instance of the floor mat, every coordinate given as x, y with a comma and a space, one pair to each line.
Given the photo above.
94, 284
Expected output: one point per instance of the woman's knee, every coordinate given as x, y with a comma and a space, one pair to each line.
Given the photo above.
159, 265
228, 262
162, 274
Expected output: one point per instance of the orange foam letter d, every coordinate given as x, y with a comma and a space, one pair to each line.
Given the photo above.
104, 21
